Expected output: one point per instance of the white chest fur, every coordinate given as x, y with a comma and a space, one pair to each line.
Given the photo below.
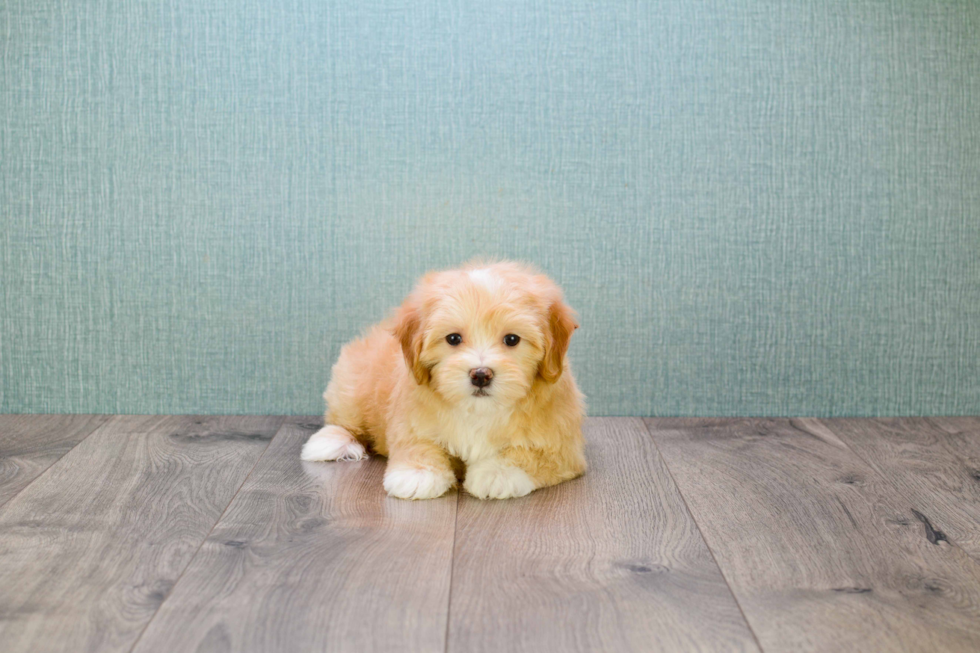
469, 431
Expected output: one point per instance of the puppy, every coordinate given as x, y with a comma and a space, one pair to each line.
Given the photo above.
470, 370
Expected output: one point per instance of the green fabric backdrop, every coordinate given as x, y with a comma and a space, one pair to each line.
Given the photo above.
757, 207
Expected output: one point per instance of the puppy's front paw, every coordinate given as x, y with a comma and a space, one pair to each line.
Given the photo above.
497, 479
417, 483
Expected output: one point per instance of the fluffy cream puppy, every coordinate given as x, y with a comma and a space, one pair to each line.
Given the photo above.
470, 371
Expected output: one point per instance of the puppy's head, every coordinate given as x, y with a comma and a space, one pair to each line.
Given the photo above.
481, 335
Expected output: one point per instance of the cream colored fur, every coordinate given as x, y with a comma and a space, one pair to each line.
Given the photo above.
404, 392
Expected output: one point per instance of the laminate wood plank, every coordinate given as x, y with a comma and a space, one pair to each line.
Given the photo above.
611, 561
92, 547
29, 444
935, 464
314, 557
821, 551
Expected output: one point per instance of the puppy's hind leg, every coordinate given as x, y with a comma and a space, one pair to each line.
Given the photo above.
333, 442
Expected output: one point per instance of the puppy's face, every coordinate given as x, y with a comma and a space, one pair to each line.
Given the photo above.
481, 336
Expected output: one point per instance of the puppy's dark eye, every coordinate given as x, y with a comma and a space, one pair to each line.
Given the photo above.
454, 339
511, 340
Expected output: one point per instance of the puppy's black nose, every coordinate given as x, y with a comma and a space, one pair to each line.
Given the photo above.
481, 376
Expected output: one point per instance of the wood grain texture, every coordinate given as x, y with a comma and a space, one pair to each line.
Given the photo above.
91, 548
934, 463
29, 444
611, 561
821, 551
311, 557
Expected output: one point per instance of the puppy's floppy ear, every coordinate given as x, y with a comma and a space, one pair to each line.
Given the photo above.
408, 331
561, 324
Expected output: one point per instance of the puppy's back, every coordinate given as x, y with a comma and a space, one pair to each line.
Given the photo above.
361, 384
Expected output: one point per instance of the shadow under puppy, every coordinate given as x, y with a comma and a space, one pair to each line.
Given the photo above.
471, 368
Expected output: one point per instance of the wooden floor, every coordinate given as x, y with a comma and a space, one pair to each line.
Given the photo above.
132, 533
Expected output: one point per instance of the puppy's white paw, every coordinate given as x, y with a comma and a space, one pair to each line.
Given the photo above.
497, 479
333, 442
417, 483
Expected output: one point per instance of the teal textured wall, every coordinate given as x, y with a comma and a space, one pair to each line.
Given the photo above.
757, 207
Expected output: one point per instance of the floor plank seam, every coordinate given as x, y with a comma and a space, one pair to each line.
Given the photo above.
714, 558
900, 494
59, 459
190, 560
452, 568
